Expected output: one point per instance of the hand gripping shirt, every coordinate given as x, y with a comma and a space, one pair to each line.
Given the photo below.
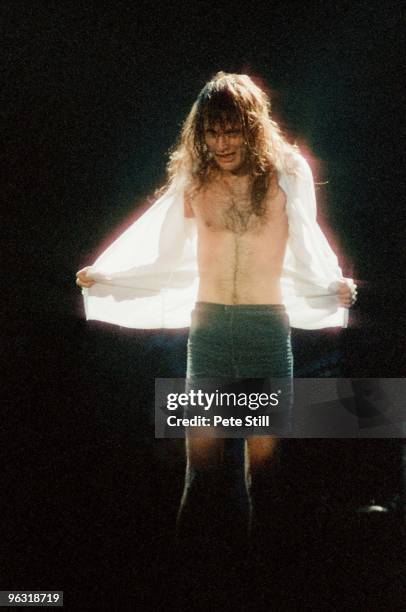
148, 277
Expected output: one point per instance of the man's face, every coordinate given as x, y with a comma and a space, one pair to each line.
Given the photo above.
226, 144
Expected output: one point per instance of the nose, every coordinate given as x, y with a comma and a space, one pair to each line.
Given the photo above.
222, 142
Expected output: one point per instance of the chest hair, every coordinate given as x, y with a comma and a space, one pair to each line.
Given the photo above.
229, 207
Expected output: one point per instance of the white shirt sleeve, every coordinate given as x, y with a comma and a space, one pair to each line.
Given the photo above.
311, 268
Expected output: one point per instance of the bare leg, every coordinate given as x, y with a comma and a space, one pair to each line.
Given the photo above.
261, 464
204, 453
214, 509
203, 462
260, 451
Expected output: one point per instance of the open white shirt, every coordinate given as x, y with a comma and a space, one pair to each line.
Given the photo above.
148, 277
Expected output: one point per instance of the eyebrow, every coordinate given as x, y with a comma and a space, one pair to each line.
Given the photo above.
230, 129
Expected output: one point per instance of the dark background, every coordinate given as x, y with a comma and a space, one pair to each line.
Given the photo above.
92, 100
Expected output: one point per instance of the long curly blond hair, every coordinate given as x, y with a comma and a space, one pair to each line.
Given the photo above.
231, 99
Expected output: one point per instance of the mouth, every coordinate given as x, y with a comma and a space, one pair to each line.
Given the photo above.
224, 159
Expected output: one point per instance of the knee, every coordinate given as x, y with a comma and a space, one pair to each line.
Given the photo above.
203, 454
264, 473
262, 452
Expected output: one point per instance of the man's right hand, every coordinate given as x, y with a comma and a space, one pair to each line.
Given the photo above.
82, 279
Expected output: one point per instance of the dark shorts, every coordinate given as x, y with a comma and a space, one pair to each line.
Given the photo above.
245, 347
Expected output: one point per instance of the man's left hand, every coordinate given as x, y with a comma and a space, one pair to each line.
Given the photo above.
347, 293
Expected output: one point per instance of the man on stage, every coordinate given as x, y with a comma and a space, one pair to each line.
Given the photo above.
232, 249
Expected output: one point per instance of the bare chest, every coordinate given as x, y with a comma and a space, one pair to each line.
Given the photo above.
219, 207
